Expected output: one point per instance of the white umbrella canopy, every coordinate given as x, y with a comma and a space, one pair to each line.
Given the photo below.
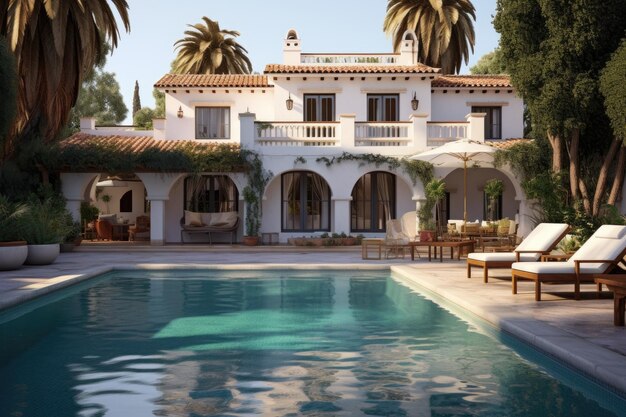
458, 154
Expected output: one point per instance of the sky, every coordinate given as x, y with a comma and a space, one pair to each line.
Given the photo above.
145, 53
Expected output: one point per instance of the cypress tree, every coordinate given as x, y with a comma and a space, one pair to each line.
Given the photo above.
136, 99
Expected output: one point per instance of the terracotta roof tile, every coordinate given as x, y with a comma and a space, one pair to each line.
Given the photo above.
506, 143
451, 81
212, 80
131, 144
350, 69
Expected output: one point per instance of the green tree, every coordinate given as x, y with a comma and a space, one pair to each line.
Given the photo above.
8, 86
554, 51
55, 44
444, 30
136, 99
210, 50
159, 104
143, 118
99, 97
613, 88
490, 63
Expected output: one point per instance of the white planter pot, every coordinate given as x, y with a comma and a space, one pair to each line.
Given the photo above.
42, 254
12, 255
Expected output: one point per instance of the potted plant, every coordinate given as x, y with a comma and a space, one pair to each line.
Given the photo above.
13, 249
73, 237
493, 189
88, 216
253, 217
44, 228
435, 192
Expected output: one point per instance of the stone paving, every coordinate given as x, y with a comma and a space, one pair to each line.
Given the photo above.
580, 333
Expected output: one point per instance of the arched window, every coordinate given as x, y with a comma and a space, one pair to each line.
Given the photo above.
305, 202
210, 194
373, 202
126, 202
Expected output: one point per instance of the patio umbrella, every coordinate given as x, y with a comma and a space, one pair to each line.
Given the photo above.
457, 154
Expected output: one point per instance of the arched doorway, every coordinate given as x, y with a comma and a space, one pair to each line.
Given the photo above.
210, 194
373, 202
305, 202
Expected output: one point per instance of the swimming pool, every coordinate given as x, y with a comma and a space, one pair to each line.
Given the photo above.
198, 343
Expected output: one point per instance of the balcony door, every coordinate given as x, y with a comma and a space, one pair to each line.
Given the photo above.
382, 107
319, 107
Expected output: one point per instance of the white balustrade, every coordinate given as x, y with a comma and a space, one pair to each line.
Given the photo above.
345, 59
443, 132
382, 133
296, 134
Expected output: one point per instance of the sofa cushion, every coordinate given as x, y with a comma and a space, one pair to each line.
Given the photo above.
193, 218
225, 219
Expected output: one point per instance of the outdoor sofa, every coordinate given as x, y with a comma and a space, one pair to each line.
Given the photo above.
209, 224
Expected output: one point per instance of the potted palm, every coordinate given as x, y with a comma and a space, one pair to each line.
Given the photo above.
13, 249
435, 192
493, 189
44, 228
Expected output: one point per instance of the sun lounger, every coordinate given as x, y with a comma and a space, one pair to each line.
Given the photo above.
539, 242
601, 253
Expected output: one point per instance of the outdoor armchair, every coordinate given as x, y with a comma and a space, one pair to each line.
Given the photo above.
540, 241
599, 255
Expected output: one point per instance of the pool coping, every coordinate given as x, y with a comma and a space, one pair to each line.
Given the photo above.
597, 363
601, 365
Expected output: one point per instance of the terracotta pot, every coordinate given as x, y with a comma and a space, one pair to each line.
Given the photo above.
250, 240
42, 254
427, 235
12, 254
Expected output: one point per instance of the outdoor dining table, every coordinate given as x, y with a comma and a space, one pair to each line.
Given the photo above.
458, 244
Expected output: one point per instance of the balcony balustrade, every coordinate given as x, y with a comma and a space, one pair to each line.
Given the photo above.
382, 134
349, 59
296, 133
443, 132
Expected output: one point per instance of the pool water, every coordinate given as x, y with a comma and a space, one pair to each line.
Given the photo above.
274, 343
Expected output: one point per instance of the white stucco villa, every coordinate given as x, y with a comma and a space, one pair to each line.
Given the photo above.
309, 107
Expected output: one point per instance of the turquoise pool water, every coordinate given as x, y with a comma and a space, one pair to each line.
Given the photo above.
276, 343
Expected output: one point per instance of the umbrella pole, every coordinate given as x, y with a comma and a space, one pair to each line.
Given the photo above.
465, 191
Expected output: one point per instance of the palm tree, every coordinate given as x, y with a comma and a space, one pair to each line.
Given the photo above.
444, 29
56, 43
211, 50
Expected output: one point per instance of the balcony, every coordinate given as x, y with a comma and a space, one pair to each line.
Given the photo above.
416, 134
348, 59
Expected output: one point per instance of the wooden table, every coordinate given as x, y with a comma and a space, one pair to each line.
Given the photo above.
617, 284
366, 243
459, 244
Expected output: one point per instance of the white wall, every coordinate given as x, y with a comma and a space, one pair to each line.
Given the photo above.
350, 96
453, 106
239, 101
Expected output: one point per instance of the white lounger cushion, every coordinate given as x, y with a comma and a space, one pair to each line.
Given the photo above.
541, 239
607, 243
501, 257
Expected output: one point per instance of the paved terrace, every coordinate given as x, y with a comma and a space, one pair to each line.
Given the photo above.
580, 333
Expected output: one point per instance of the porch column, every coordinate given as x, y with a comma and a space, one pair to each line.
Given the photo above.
476, 129
73, 187
157, 221
341, 214
418, 131
525, 214
418, 206
347, 130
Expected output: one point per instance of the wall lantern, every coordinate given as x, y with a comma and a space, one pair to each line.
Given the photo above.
179, 113
289, 103
415, 102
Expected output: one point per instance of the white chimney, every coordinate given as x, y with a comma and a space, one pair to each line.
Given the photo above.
292, 48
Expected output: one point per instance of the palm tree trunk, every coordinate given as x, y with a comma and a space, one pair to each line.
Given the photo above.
573, 162
619, 176
602, 177
557, 153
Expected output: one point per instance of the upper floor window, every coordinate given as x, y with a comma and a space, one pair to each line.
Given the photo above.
382, 107
319, 107
493, 120
212, 123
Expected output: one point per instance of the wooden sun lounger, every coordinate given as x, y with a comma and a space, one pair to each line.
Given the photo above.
617, 284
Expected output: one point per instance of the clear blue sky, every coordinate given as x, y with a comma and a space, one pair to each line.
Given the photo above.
145, 53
